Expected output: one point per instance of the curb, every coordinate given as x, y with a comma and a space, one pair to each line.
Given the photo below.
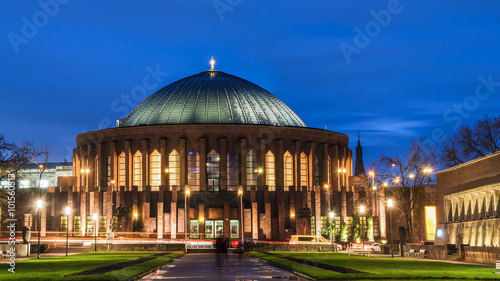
140, 276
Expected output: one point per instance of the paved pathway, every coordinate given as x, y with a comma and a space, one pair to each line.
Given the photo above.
235, 267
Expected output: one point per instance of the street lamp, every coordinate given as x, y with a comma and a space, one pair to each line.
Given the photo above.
39, 204
94, 216
67, 211
332, 215
390, 204
361, 211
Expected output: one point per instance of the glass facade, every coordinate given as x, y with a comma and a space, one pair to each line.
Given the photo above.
121, 169
303, 169
155, 174
233, 171
174, 166
194, 170
270, 171
137, 170
213, 171
288, 171
252, 169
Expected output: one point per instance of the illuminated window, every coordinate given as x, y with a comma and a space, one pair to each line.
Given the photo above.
155, 170
44, 183
303, 169
233, 171
96, 170
270, 171
64, 224
121, 169
24, 183
252, 170
430, 222
288, 170
194, 170
174, 166
213, 171
137, 170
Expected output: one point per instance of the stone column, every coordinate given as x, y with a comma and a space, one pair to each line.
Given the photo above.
317, 209
164, 162
173, 220
343, 206
223, 165
267, 225
255, 221
201, 214
159, 221
83, 213
203, 164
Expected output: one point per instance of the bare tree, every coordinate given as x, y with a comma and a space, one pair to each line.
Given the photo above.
406, 177
13, 158
469, 143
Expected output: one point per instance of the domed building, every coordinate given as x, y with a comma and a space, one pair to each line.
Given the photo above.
210, 154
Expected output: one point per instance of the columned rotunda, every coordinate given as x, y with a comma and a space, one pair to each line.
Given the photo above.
216, 154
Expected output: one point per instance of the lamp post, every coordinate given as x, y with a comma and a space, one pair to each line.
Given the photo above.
332, 215
39, 205
94, 216
67, 211
390, 204
240, 193
186, 194
361, 211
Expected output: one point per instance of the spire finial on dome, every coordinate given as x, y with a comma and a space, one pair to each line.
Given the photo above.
212, 63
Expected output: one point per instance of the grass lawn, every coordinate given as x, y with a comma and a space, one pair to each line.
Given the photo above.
378, 268
58, 268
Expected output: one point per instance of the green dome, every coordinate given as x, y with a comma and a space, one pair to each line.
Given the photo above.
212, 97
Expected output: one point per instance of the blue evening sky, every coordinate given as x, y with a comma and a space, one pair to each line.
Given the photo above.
65, 66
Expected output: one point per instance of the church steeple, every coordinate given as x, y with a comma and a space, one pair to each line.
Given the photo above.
359, 168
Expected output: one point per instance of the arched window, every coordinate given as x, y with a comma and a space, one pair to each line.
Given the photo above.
174, 167
288, 170
316, 171
252, 169
233, 170
138, 170
109, 168
121, 169
213, 171
303, 169
96, 170
194, 170
270, 172
155, 170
